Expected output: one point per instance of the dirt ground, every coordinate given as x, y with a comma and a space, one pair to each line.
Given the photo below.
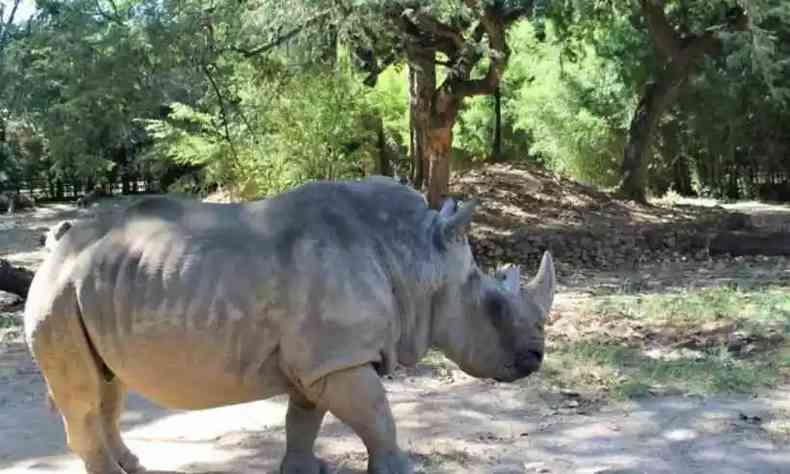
447, 421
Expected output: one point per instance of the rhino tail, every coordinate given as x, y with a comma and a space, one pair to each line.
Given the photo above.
90, 355
54, 234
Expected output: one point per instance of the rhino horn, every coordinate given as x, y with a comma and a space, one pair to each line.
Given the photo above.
455, 224
542, 287
512, 278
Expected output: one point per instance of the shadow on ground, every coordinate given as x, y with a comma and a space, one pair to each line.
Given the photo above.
462, 425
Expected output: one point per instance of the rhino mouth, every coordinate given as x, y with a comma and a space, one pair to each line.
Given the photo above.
523, 366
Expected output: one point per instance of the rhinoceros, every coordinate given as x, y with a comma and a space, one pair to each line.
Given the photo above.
313, 293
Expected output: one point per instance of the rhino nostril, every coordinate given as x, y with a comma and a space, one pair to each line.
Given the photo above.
529, 360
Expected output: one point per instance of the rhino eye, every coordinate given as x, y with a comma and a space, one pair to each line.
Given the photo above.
496, 310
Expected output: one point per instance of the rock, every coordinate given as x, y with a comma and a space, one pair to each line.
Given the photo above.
11, 203
538, 467
8, 299
14, 279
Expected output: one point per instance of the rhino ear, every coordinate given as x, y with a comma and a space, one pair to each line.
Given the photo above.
456, 225
448, 209
541, 289
513, 279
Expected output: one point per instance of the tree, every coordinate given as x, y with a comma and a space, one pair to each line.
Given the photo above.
454, 50
679, 54
676, 41
80, 78
472, 34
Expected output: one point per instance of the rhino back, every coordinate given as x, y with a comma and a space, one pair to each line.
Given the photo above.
295, 286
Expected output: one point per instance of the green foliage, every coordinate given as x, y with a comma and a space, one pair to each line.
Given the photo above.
390, 98
190, 137
262, 95
315, 125
575, 111
474, 130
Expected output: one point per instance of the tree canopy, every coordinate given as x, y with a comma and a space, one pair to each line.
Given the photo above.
258, 96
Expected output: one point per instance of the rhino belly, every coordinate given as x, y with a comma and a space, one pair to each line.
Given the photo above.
180, 325
194, 372
188, 369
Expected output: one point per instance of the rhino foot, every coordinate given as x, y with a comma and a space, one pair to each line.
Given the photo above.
393, 463
302, 464
130, 463
104, 468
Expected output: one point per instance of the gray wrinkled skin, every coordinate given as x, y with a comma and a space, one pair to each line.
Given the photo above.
199, 305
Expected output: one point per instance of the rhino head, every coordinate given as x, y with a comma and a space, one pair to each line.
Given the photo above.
488, 324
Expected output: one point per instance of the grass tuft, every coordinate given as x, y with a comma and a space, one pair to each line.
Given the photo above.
703, 341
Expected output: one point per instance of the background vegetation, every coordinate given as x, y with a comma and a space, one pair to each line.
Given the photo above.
258, 96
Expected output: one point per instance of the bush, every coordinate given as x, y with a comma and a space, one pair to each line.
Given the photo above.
310, 126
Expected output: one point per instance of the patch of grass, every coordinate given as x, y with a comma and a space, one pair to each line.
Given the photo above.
434, 358
436, 461
624, 372
698, 341
8, 321
751, 307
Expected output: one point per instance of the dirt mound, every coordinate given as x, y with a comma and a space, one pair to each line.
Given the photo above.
526, 210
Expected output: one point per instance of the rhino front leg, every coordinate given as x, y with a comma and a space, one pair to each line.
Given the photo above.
357, 397
302, 423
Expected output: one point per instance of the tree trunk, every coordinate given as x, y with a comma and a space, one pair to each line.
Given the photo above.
496, 149
439, 149
682, 176
14, 280
679, 55
655, 100
422, 84
384, 167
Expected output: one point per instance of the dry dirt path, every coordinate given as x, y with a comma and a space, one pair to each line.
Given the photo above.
447, 421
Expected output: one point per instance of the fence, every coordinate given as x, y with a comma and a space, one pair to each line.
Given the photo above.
41, 189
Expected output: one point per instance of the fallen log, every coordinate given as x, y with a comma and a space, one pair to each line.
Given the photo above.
741, 243
14, 279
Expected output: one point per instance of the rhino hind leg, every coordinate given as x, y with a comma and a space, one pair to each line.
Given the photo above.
357, 397
113, 400
302, 423
77, 381
76, 390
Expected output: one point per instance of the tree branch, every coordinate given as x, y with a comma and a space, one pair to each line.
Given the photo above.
10, 21
667, 42
114, 18
222, 108
280, 39
493, 25
444, 37
708, 43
